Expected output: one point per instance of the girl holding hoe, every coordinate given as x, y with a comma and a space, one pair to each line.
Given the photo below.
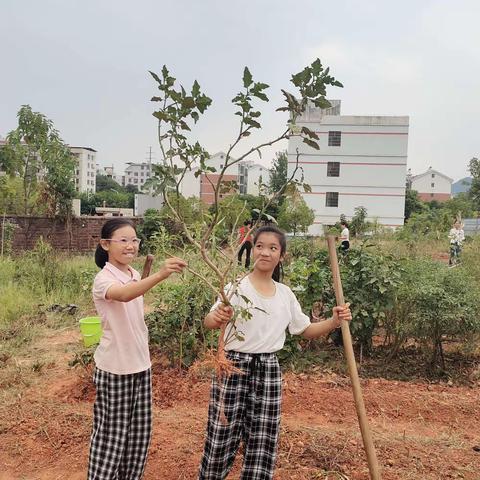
246, 406
122, 415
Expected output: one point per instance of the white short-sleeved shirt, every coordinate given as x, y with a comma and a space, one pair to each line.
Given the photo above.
265, 332
123, 348
345, 235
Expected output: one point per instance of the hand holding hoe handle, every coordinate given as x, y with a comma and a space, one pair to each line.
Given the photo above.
352, 366
147, 266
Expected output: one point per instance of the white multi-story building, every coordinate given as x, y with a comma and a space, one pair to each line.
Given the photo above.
361, 162
249, 176
137, 174
85, 170
432, 185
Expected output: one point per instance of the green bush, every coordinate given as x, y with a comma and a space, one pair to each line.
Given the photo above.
434, 304
176, 325
369, 281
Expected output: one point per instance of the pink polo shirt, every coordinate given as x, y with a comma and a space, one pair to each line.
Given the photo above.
123, 347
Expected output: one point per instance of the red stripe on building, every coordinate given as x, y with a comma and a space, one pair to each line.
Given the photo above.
361, 133
360, 194
350, 163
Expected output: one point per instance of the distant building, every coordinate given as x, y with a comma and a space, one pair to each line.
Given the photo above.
202, 185
461, 186
249, 176
85, 170
137, 174
114, 212
361, 162
432, 185
110, 173
245, 174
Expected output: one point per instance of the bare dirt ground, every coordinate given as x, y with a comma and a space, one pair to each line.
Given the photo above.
422, 431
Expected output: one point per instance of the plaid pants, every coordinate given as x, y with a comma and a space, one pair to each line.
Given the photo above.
252, 406
122, 426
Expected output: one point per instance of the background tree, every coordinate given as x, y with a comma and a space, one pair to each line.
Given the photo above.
106, 183
105, 198
412, 203
358, 224
295, 215
278, 172
474, 193
35, 152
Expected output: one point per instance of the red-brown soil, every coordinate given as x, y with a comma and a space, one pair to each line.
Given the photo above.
421, 431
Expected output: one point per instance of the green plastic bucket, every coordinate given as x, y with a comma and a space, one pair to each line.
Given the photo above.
91, 328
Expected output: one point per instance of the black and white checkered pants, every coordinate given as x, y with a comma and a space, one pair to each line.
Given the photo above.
252, 407
122, 426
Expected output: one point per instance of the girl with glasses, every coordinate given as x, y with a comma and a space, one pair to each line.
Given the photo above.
122, 413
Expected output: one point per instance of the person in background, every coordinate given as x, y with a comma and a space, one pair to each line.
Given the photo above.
344, 237
456, 237
245, 240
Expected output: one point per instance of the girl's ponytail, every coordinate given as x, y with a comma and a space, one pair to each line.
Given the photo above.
101, 256
277, 274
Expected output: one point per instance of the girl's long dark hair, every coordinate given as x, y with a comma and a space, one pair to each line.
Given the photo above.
277, 274
101, 255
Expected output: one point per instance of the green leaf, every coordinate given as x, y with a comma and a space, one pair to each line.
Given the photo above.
155, 76
247, 77
307, 188
311, 143
245, 299
261, 96
195, 89
310, 133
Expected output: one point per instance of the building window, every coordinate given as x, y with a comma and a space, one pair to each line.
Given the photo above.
433, 175
333, 169
334, 138
135, 174
135, 180
331, 199
142, 167
431, 195
432, 185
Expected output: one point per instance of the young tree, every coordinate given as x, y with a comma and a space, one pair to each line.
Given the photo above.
178, 109
359, 225
278, 172
35, 152
474, 193
295, 215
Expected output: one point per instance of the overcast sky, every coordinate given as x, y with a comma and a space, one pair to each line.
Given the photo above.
84, 64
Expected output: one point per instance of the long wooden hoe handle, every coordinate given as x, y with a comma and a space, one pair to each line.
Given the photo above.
352, 366
147, 266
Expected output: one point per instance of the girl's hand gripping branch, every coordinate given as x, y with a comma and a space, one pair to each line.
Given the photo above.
172, 265
125, 293
218, 317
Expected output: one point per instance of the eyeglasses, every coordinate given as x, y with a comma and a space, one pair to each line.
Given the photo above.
124, 241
